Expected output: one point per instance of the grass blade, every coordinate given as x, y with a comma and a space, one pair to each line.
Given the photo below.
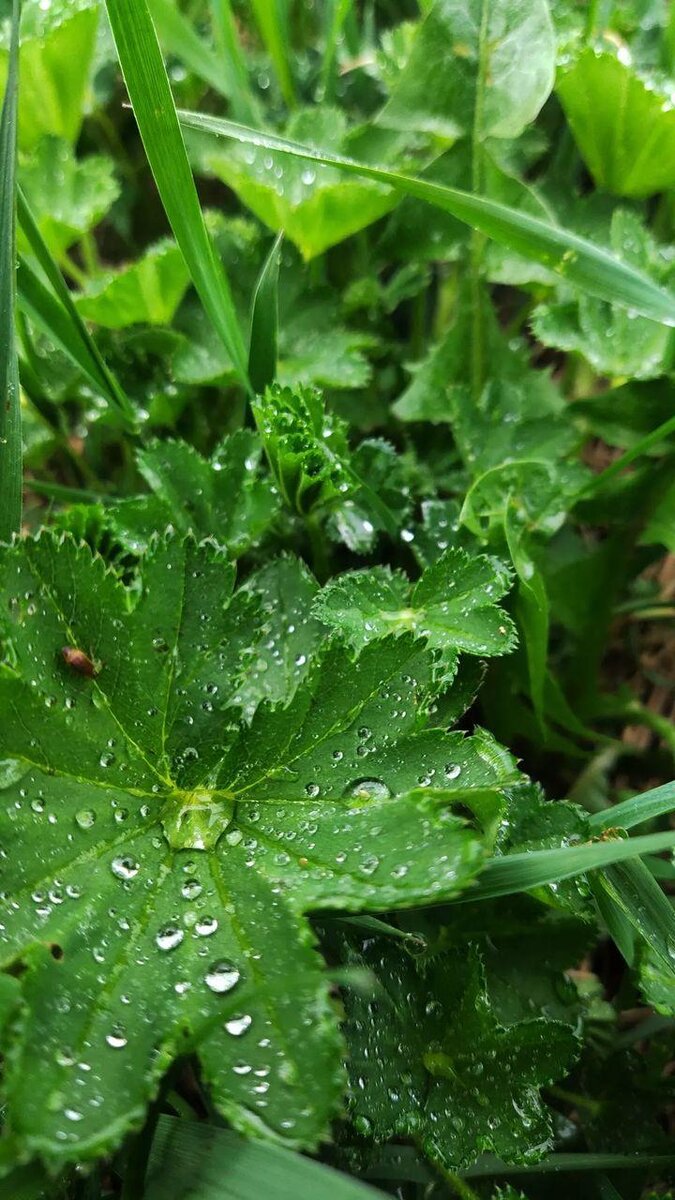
262, 354
150, 94
583, 264
57, 315
336, 15
243, 104
10, 401
535, 868
632, 890
178, 36
192, 1160
645, 807
272, 21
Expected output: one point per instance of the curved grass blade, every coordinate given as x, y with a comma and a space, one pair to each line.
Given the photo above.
535, 868
57, 315
262, 353
151, 99
10, 402
244, 107
193, 1161
178, 36
583, 264
645, 807
631, 890
272, 20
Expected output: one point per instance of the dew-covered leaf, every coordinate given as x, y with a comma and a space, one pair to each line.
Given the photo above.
307, 448
609, 106
159, 855
225, 498
453, 606
430, 1059
147, 292
315, 206
67, 196
477, 68
615, 341
54, 34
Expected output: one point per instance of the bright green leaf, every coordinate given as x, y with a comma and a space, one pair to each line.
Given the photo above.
67, 196
148, 291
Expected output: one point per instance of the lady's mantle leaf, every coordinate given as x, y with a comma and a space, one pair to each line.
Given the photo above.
225, 498
470, 1084
158, 856
453, 606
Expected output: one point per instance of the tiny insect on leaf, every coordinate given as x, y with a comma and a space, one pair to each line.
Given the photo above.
78, 661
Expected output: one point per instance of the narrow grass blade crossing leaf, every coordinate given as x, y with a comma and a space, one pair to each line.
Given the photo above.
10, 411
536, 868
178, 36
645, 807
56, 312
262, 353
150, 94
193, 1160
631, 889
244, 107
583, 264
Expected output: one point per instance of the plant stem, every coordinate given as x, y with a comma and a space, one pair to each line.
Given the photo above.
477, 241
646, 443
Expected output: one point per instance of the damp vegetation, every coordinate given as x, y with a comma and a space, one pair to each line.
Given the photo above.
337, 585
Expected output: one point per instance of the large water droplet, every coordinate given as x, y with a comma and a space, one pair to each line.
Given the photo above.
222, 977
238, 1025
124, 867
169, 937
368, 789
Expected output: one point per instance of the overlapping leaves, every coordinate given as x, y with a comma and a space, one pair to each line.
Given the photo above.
159, 853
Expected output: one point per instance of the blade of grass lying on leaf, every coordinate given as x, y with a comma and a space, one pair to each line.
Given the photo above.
178, 36
645, 807
150, 95
56, 313
10, 404
583, 264
272, 20
262, 353
630, 889
536, 868
192, 1159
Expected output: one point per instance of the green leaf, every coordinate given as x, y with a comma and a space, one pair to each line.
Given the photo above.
469, 51
147, 291
57, 51
154, 109
453, 607
309, 455
644, 807
244, 105
224, 498
10, 410
193, 1161
429, 1059
67, 196
661, 524
315, 207
615, 342
609, 107
263, 342
631, 888
583, 264
163, 854
177, 35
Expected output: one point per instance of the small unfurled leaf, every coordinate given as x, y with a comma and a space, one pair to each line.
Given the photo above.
481, 68
430, 1059
163, 853
226, 498
309, 454
147, 292
453, 607
67, 196
609, 107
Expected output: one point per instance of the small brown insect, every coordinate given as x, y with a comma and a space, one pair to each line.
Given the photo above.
78, 661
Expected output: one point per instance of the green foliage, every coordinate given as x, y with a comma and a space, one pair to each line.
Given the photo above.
336, 822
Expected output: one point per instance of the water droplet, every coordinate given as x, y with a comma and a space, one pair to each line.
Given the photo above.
124, 867
116, 1038
222, 977
369, 789
191, 889
312, 790
206, 926
238, 1025
169, 937
452, 770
